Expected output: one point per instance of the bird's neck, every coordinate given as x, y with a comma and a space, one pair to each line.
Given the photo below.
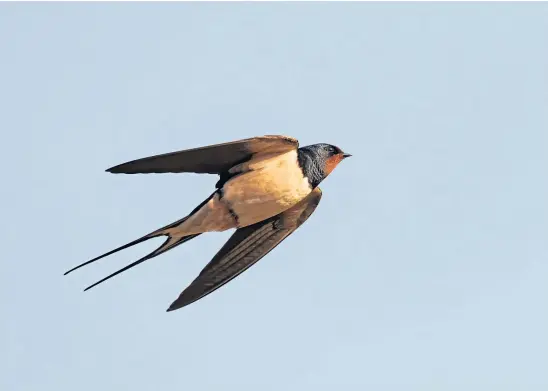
311, 166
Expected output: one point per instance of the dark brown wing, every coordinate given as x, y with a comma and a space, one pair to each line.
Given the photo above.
213, 159
245, 247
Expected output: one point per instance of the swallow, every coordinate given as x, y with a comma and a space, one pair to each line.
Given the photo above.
267, 188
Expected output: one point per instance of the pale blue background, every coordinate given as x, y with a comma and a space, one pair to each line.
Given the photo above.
424, 268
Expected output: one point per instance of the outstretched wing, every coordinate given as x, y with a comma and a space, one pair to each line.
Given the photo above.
245, 247
213, 159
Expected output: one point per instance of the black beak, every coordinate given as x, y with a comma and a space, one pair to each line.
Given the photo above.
345, 155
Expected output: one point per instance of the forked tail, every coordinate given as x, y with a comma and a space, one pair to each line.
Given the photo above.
171, 242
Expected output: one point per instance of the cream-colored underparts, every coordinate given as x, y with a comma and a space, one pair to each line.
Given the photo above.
264, 187
213, 216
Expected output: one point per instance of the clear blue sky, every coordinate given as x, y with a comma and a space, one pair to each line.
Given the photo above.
425, 266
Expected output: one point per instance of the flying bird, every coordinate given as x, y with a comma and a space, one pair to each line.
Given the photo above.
268, 187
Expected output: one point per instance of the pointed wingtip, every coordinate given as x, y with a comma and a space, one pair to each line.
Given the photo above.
176, 306
172, 308
125, 168
182, 302
119, 169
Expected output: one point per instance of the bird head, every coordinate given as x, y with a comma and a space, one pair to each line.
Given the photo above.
319, 160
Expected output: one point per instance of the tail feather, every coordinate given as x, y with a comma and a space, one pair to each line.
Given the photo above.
170, 243
159, 232
140, 240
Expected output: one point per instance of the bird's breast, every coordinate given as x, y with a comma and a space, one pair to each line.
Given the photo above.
265, 187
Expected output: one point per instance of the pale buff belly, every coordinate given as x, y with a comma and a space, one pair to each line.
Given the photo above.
266, 191
264, 188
